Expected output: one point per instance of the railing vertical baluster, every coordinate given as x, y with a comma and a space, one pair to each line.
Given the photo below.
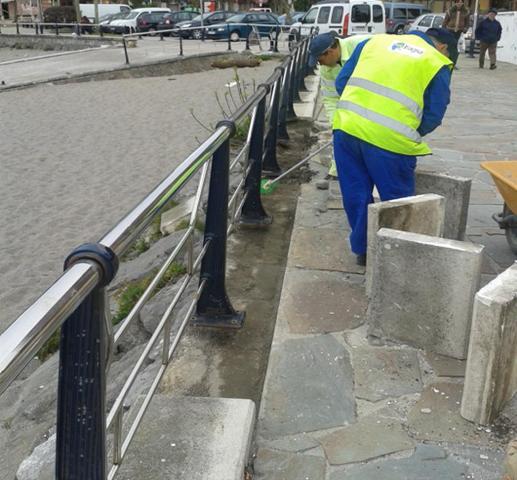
253, 212
57, 29
229, 37
81, 413
302, 68
17, 28
213, 307
291, 115
181, 45
277, 34
296, 79
125, 49
270, 163
284, 100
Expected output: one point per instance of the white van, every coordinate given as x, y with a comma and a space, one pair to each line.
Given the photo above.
345, 17
88, 9
128, 24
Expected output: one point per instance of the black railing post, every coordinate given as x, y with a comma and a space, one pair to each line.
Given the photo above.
284, 101
213, 307
296, 84
277, 34
81, 409
41, 28
181, 45
229, 37
301, 68
57, 29
248, 42
270, 163
17, 28
125, 49
291, 115
253, 212
161, 36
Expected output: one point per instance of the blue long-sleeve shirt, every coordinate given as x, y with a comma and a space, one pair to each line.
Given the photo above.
436, 95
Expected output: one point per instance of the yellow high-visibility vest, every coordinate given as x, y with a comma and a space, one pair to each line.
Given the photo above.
383, 100
328, 75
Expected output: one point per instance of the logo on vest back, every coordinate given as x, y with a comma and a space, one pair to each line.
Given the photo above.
405, 49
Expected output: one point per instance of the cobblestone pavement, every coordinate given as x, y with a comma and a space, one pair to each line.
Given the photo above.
75, 158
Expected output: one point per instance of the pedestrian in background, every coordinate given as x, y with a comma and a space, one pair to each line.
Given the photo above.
456, 21
331, 52
394, 90
488, 32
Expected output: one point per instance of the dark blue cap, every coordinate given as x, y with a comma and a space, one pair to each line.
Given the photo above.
320, 43
443, 36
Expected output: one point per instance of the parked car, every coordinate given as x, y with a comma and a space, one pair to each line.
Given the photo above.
241, 25
148, 22
425, 22
129, 23
171, 20
88, 9
105, 20
399, 15
345, 17
188, 29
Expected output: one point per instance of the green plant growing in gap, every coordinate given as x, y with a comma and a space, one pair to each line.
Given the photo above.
50, 347
241, 130
132, 292
183, 224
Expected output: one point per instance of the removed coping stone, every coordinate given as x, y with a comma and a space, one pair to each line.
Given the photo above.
423, 290
171, 218
456, 191
423, 214
491, 376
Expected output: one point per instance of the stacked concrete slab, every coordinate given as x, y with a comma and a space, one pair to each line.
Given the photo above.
491, 376
423, 289
423, 214
456, 191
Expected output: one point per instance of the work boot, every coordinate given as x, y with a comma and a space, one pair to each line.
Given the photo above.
361, 260
493, 67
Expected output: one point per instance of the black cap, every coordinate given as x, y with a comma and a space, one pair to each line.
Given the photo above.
493, 10
443, 36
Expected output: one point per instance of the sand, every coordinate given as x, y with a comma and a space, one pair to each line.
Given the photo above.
75, 158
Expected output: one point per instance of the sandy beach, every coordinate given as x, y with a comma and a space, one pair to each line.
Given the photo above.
75, 158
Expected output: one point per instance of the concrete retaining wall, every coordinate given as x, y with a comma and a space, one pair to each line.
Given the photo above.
491, 376
423, 289
54, 42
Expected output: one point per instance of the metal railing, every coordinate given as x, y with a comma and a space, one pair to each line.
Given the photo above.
77, 301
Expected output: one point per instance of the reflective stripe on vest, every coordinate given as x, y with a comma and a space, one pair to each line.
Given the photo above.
387, 92
387, 122
329, 94
328, 83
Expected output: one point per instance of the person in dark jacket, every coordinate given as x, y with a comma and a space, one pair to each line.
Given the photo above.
456, 21
488, 32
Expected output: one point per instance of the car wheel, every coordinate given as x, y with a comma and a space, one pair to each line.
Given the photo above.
196, 34
152, 31
399, 30
234, 36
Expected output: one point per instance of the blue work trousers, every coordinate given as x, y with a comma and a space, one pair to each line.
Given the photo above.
360, 166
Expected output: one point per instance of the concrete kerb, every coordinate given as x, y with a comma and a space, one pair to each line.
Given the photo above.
423, 290
424, 214
491, 375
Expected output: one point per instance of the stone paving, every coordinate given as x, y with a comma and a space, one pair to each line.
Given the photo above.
398, 417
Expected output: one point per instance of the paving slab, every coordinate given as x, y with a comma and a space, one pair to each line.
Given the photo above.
428, 462
436, 417
456, 191
384, 372
491, 376
322, 249
297, 397
422, 291
294, 443
423, 214
191, 438
367, 439
273, 465
316, 301
446, 366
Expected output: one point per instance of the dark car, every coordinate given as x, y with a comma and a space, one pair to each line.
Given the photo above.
148, 22
241, 25
188, 29
170, 20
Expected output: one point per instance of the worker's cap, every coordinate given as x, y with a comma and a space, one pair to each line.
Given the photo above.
443, 36
493, 10
319, 45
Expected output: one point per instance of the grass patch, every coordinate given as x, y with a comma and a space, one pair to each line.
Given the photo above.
50, 347
132, 292
183, 224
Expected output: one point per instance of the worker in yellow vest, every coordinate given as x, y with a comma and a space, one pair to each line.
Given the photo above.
331, 52
393, 90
